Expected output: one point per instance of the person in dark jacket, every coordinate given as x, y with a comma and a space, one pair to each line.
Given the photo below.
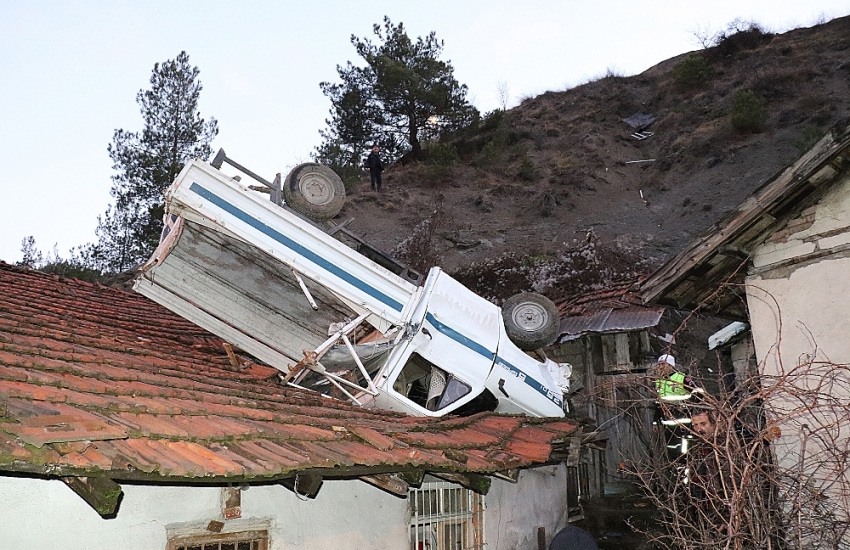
375, 166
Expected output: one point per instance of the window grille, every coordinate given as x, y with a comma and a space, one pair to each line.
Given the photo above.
246, 540
445, 516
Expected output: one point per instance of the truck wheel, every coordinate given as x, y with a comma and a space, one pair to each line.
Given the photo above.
314, 190
531, 320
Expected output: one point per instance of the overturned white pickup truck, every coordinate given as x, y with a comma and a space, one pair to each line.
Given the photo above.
341, 318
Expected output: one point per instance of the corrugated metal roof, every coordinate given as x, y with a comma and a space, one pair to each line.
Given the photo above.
97, 381
610, 320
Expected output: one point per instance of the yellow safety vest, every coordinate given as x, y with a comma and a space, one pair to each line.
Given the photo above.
672, 388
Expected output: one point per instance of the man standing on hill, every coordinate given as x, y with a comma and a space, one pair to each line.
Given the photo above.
375, 166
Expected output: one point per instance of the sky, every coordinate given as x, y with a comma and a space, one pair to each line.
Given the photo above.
70, 72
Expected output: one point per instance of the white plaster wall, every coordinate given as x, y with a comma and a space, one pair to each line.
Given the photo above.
804, 314
46, 514
804, 306
346, 514
800, 313
830, 229
515, 511
806, 317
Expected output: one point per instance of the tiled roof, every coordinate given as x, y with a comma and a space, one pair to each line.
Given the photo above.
617, 295
96, 381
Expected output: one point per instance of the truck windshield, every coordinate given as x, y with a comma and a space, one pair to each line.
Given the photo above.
427, 385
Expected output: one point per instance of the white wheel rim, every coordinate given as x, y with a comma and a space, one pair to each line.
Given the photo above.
316, 189
530, 317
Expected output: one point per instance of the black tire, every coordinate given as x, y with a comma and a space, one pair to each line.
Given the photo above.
531, 320
314, 190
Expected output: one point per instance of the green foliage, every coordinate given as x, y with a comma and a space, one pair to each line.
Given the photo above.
345, 162
494, 153
440, 158
77, 266
749, 112
403, 96
527, 171
441, 154
492, 120
693, 72
147, 162
32, 256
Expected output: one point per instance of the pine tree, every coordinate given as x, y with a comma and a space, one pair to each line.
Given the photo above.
404, 95
147, 162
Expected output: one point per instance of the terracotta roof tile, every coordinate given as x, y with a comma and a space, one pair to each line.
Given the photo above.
270, 454
460, 438
149, 424
537, 452
109, 383
97, 458
532, 435
372, 437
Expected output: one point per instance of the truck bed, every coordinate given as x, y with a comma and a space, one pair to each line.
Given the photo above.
227, 265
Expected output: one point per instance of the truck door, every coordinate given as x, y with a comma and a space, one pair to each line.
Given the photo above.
447, 362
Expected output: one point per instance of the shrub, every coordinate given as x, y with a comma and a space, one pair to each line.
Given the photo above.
740, 35
693, 72
492, 120
494, 152
527, 171
546, 203
441, 154
439, 160
749, 112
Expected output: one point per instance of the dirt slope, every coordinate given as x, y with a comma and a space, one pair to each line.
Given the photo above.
559, 165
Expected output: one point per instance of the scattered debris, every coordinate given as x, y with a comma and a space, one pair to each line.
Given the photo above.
640, 136
640, 121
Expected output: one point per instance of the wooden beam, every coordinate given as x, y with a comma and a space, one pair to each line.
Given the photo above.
758, 212
413, 477
511, 475
391, 483
574, 452
305, 485
101, 493
478, 483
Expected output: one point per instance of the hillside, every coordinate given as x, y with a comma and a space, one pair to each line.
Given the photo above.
560, 164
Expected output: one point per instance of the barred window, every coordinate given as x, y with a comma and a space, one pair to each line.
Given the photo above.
445, 516
245, 540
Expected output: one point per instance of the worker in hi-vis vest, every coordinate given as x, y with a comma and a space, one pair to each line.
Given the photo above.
671, 384
674, 389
